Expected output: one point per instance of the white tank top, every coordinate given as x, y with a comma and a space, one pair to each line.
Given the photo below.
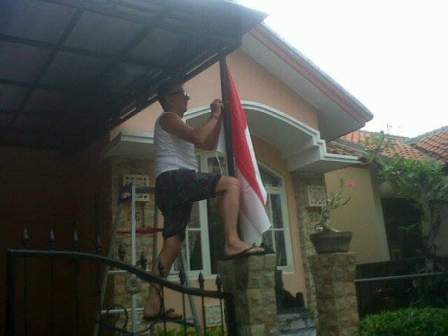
172, 152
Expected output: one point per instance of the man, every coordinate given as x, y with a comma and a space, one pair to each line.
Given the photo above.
179, 184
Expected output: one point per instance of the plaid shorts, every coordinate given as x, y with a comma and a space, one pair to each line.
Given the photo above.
176, 190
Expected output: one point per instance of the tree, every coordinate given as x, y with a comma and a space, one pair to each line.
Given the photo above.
422, 181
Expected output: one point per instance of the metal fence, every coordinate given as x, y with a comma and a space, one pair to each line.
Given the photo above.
378, 294
19, 310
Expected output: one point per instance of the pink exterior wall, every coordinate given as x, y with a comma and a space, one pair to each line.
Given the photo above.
269, 156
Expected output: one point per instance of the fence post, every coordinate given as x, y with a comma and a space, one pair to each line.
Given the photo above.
334, 279
251, 281
10, 295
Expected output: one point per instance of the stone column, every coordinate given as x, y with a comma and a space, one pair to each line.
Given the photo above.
334, 275
251, 281
305, 214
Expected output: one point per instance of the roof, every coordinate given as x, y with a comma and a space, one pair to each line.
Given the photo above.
399, 146
335, 147
72, 70
339, 112
434, 143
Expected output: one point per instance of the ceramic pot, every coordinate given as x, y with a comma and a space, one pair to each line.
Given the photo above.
331, 241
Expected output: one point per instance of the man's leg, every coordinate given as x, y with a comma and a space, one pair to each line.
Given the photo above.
170, 250
229, 188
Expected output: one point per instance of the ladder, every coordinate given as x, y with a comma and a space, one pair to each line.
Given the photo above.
136, 189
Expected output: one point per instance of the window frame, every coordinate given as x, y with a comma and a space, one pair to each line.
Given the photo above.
289, 267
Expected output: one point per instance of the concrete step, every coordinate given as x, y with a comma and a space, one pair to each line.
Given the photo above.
296, 323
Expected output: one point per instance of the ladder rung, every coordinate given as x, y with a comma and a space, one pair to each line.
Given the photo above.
117, 272
138, 190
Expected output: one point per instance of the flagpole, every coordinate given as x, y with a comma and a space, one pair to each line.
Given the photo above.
227, 116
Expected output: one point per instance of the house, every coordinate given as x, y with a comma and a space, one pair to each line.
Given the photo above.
293, 108
77, 118
377, 219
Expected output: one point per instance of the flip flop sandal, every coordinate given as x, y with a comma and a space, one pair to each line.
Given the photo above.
245, 253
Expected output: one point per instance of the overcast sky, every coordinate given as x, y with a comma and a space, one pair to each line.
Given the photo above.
390, 54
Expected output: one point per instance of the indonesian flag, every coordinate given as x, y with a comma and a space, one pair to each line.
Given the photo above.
254, 220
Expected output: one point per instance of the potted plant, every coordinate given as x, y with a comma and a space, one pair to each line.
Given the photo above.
327, 239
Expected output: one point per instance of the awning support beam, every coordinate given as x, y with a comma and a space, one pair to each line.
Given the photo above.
227, 115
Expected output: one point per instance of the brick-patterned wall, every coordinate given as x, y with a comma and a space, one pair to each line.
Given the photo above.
251, 281
335, 293
305, 225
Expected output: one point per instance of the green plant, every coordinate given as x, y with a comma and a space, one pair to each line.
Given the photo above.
406, 322
213, 331
431, 291
422, 181
332, 201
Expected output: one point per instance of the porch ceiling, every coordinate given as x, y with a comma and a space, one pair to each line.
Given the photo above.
72, 69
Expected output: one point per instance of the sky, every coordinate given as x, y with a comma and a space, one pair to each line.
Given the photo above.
392, 55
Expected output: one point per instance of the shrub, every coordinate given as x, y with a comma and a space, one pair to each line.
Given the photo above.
214, 331
406, 322
431, 292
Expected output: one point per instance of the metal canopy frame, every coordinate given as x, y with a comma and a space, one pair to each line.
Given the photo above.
115, 82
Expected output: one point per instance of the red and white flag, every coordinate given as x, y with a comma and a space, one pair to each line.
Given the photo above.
254, 220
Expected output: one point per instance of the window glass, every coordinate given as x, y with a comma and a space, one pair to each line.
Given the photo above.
195, 250
269, 179
280, 248
194, 219
274, 239
276, 210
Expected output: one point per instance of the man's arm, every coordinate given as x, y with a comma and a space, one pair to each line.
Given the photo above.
212, 139
204, 137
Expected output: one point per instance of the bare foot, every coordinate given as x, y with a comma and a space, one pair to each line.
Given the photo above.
152, 310
152, 306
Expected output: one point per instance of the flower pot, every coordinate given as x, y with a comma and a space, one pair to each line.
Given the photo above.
331, 241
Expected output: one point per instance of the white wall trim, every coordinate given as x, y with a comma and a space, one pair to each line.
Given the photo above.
312, 152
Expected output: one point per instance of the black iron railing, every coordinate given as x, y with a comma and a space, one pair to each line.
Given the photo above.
377, 294
18, 310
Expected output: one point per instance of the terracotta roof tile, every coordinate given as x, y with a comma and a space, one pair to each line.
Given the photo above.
335, 147
398, 145
434, 143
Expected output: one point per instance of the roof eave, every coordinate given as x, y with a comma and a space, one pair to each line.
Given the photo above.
349, 107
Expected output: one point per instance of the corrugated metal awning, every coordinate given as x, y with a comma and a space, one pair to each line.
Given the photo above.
72, 69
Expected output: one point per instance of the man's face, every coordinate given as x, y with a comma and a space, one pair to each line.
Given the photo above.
178, 99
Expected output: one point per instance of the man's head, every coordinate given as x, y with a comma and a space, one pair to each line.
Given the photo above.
173, 97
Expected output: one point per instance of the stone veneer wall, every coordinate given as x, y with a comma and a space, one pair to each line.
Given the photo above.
251, 280
335, 293
305, 228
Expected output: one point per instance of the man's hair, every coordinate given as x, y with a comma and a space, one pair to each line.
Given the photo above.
166, 88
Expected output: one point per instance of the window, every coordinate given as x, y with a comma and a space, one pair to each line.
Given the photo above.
204, 244
277, 238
